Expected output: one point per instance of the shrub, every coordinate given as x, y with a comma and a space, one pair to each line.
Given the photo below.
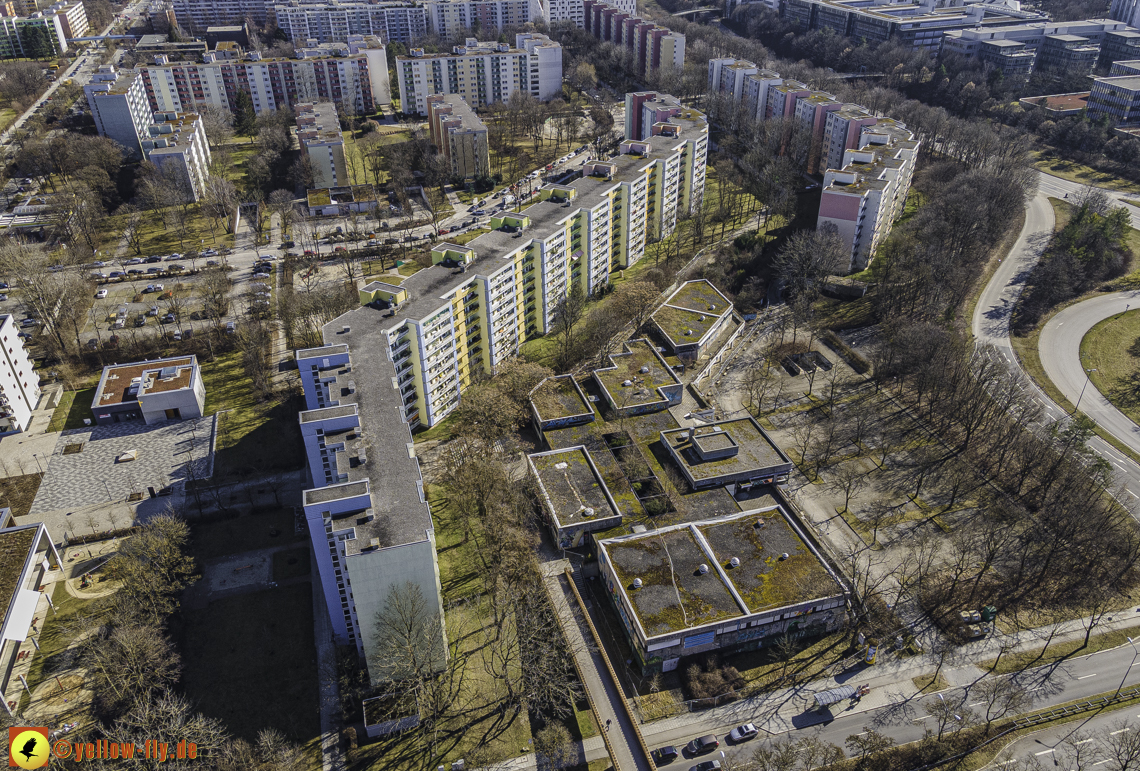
713, 681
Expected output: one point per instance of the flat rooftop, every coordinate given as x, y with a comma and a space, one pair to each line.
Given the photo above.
691, 311
676, 595
325, 413
559, 397
15, 543
574, 490
115, 385
642, 367
756, 452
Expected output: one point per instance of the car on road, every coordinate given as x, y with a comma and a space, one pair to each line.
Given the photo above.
154, 270
168, 319
708, 765
176, 268
665, 754
742, 733
704, 744
100, 294
135, 272
140, 321
114, 274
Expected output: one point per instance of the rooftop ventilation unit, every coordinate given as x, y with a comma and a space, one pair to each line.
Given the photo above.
784, 556
374, 543
637, 583
644, 370
627, 383
703, 568
734, 562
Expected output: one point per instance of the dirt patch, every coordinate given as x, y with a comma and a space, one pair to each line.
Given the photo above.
73, 449
19, 492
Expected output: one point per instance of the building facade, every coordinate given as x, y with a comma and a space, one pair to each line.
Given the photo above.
353, 73
1127, 11
652, 46
330, 22
195, 16
459, 19
153, 391
177, 146
318, 132
39, 36
119, 105
481, 73
460, 136
450, 324
1117, 97
1067, 46
19, 384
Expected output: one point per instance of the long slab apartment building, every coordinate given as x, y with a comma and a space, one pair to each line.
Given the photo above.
1070, 47
481, 73
867, 160
652, 46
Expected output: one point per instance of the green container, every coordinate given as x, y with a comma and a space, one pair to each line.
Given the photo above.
989, 612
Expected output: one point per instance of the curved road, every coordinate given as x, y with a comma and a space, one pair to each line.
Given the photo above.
1060, 355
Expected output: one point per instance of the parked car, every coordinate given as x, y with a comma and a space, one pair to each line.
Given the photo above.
704, 744
154, 270
172, 257
140, 321
119, 324
29, 322
231, 327
25, 335
102, 293
98, 264
708, 765
4, 285
391, 240
478, 212
3, 298
116, 274
339, 249
260, 275
168, 318
742, 733
134, 261
665, 754
154, 259
135, 272
211, 263
153, 311
176, 268
177, 334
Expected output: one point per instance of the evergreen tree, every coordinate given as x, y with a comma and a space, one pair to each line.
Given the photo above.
245, 119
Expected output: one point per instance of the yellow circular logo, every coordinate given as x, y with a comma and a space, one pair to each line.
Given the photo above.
30, 749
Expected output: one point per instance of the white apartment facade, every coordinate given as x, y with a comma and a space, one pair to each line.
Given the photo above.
177, 145
318, 132
196, 15
19, 384
355, 72
456, 19
329, 22
119, 105
1127, 11
481, 73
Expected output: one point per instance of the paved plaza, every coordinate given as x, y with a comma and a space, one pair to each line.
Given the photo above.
82, 471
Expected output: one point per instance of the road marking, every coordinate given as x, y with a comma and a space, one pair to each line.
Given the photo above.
1086, 677
916, 720
1122, 730
1134, 495
1044, 752
1100, 763
973, 704
1082, 741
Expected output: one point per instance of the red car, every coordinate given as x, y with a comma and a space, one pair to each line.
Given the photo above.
340, 249
309, 252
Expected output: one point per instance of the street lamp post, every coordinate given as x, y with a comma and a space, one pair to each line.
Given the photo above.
1086, 385
1135, 653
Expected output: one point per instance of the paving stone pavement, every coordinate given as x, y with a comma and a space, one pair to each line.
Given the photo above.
92, 475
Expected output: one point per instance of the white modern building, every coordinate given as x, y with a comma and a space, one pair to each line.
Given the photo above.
177, 145
151, 391
119, 106
481, 73
328, 22
369, 522
1127, 11
19, 384
318, 132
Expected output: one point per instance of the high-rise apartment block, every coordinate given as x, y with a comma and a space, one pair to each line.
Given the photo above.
195, 16
353, 73
1117, 97
39, 36
867, 160
481, 73
19, 384
572, 10
1127, 11
460, 136
176, 143
330, 21
1062, 47
368, 518
318, 132
119, 105
457, 19
653, 47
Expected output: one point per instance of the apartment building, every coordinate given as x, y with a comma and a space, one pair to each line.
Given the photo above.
1068, 55
864, 197
1127, 11
1059, 46
368, 519
481, 73
318, 133
841, 132
460, 136
727, 76
330, 22
354, 72
811, 113
119, 105
72, 16
450, 323
1119, 45
38, 36
653, 47
919, 25
177, 145
572, 10
456, 19
1117, 96
19, 384
195, 16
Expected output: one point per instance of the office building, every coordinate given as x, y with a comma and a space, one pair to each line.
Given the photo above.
19, 384
1119, 45
119, 106
318, 133
1067, 55
460, 136
1117, 97
456, 321
458, 19
481, 73
1127, 11
652, 46
176, 144
355, 72
151, 391
1067, 46
368, 517
868, 193
330, 22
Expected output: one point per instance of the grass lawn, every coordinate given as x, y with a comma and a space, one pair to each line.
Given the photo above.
250, 661
358, 169
1014, 662
253, 436
18, 492
73, 408
7, 117
245, 533
1111, 348
1075, 172
158, 239
930, 682
54, 638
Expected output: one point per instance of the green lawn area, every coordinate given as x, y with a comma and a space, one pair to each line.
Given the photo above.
159, 239
245, 533
253, 436
1076, 172
73, 408
250, 661
54, 637
7, 117
1112, 349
